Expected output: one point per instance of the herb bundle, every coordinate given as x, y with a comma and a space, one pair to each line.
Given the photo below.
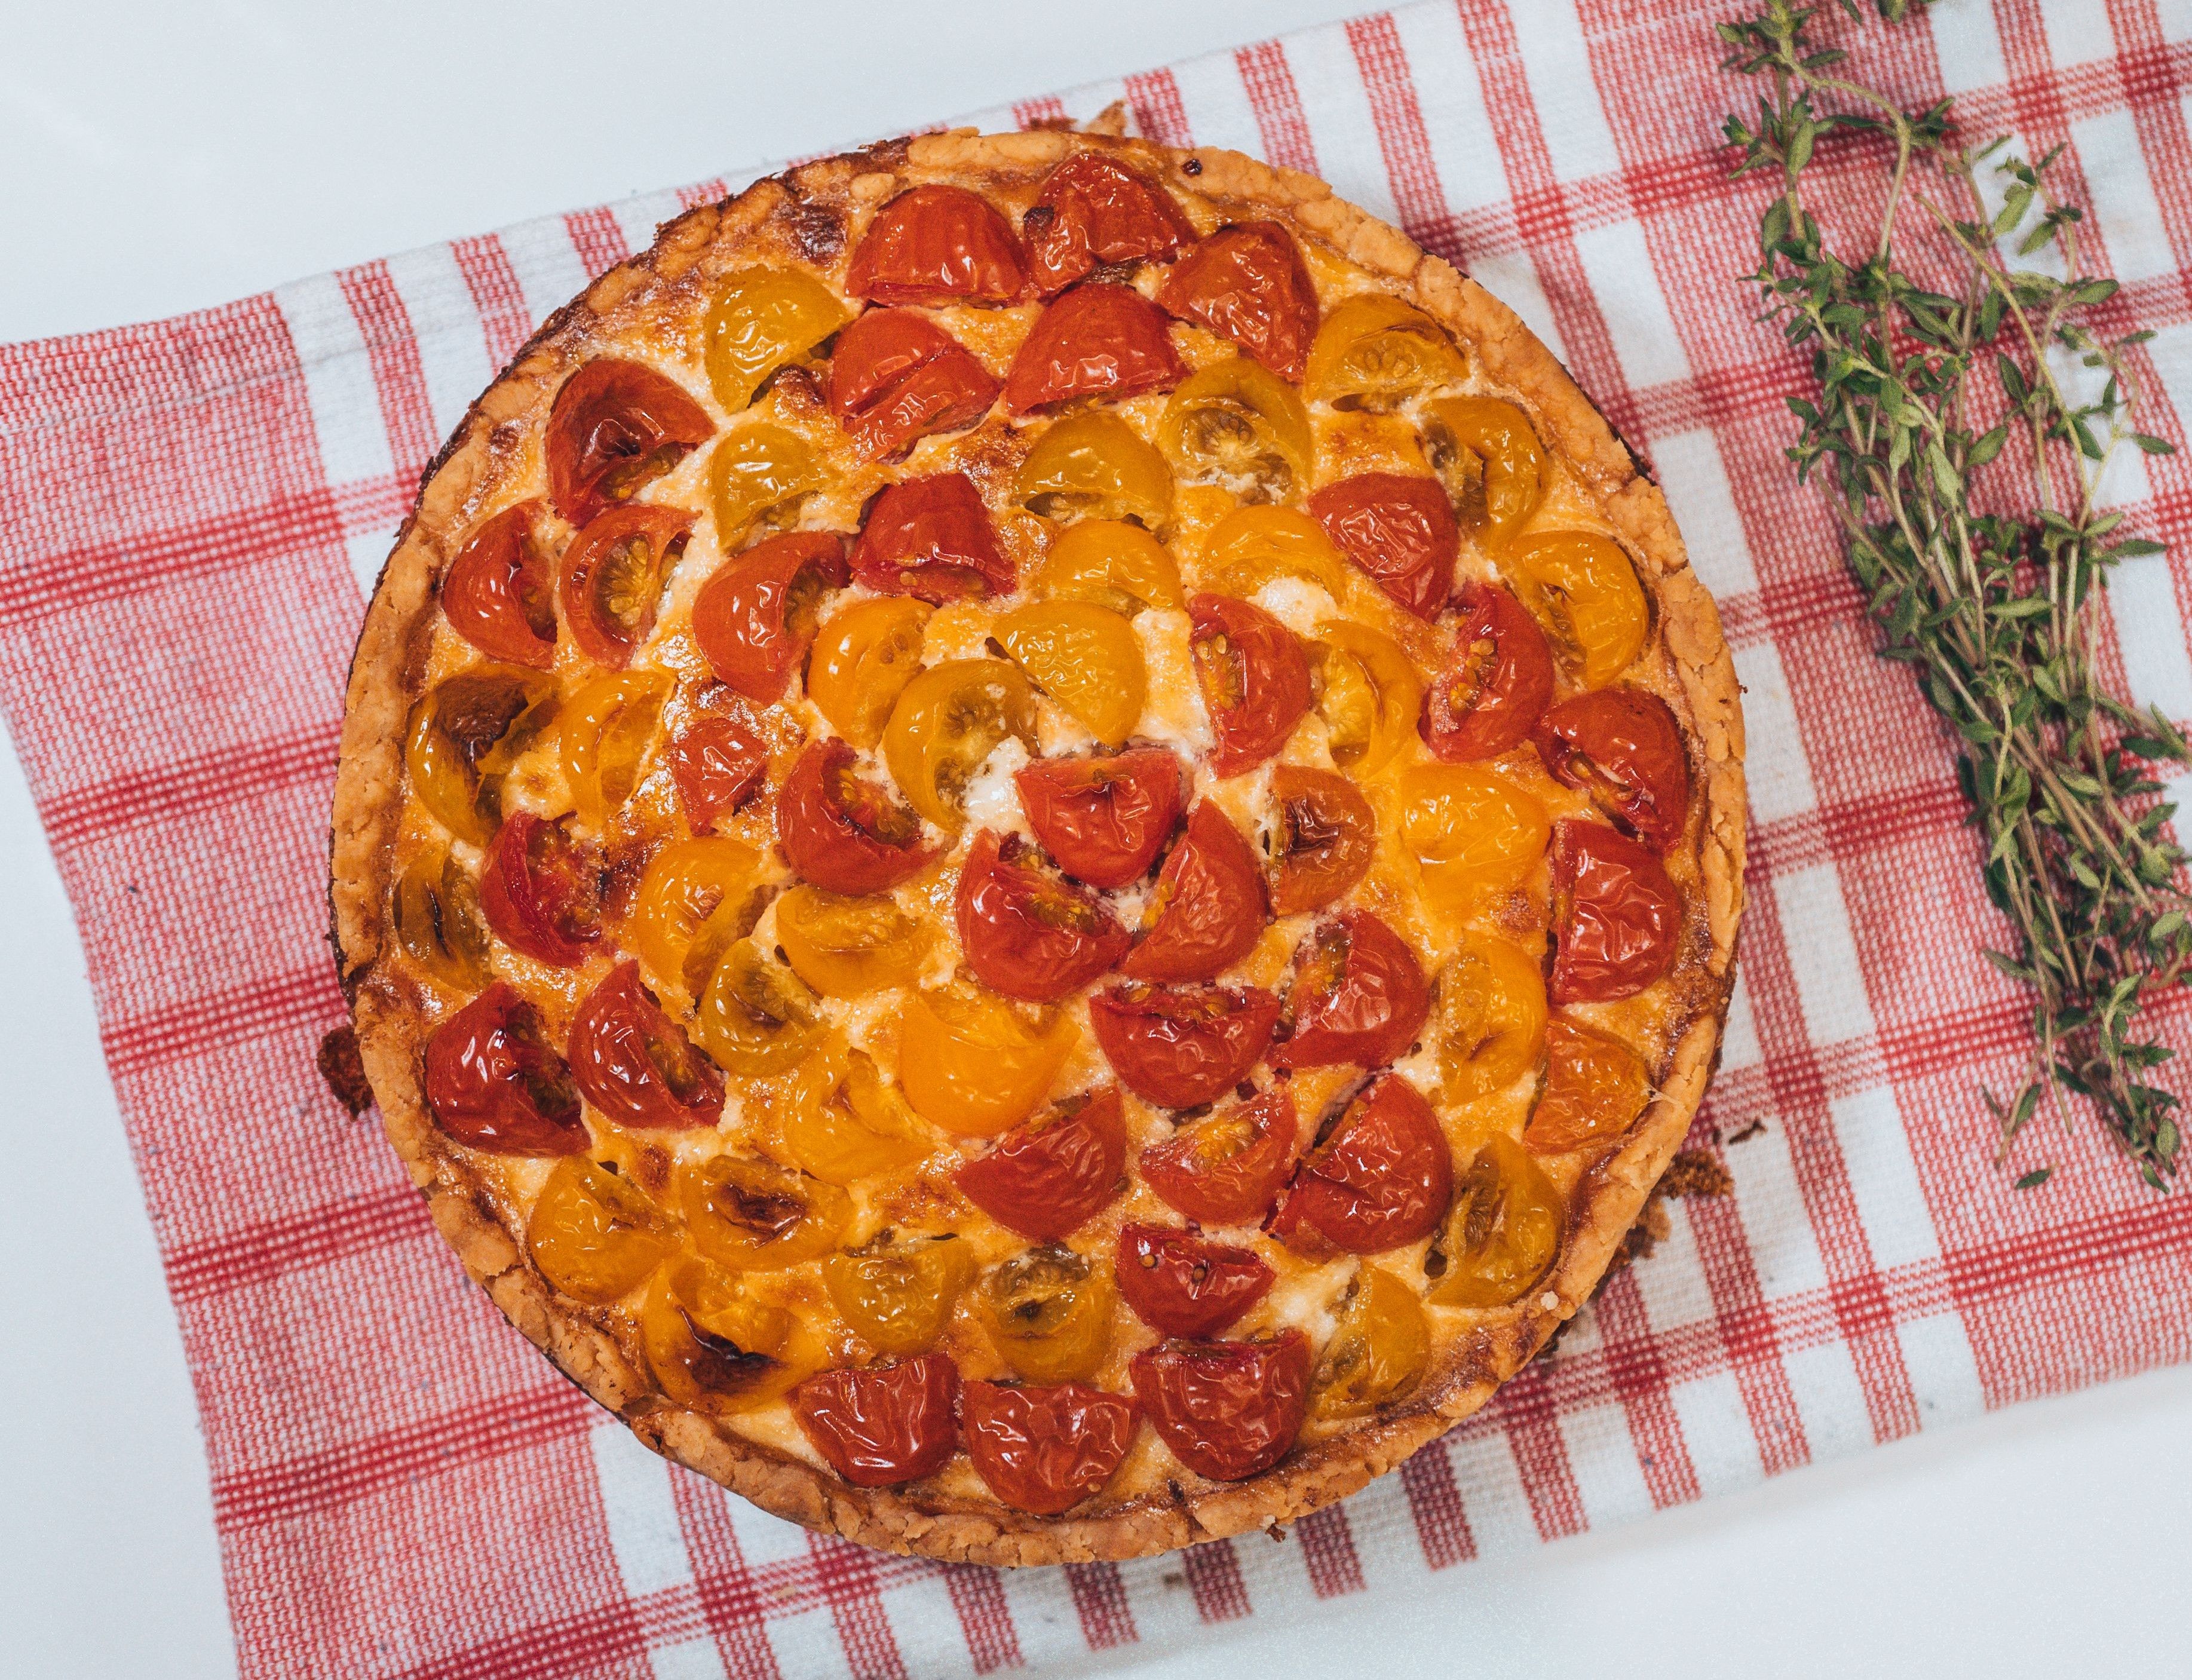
1987, 584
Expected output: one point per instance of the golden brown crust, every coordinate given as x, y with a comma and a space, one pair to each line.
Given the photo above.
368, 799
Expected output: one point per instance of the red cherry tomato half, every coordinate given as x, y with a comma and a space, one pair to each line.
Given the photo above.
1104, 819
1399, 529
1180, 1045
1248, 284
1358, 995
1623, 747
1327, 836
635, 1064
1208, 904
886, 1425
895, 377
1092, 209
1096, 341
616, 427
614, 573
1180, 1285
1254, 677
1044, 1450
1617, 915
1029, 934
1496, 685
1226, 1167
1230, 1409
500, 594
541, 891
937, 245
931, 538
494, 1084
842, 833
1048, 1178
716, 763
1381, 1179
755, 616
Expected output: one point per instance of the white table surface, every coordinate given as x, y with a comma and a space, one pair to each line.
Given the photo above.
252, 142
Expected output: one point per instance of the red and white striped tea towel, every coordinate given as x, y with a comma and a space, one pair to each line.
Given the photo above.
188, 511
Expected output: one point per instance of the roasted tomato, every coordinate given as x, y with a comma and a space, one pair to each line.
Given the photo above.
898, 1294
715, 1346
883, 1426
762, 318
1377, 1353
1048, 1314
1255, 679
1104, 819
614, 573
1251, 546
541, 891
847, 1124
1093, 210
1238, 424
1047, 1179
1044, 1450
465, 734
1495, 686
500, 594
1208, 910
1586, 593
1181, 1046
1594, 1089
635, 1064
948, 720
1326, 836
1473, 830
1490, 461
931, 538
1616, 915
594, 1234
937, 245
844, 833
756, 1018
616, 427
1112, 564
973, 1064
863, 659
436, 911
847, 947
1374, 353
1097, 341
494, 1084
1400, 531
1623, 747
1358, 995
1095, 465
1085, 657
1381, 1179
719, 764
1368, 694
1490, 1028
696, 897
761, 474
1248, 284
606, 735
1504, 1232
1230, 1409
753, 1215
1226, 1167
1180, 1285
754, 618
897, 377
1029, 934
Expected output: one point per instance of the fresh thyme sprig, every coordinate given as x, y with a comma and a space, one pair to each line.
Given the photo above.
1987, 583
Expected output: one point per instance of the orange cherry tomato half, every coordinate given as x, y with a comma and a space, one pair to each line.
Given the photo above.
1381, 1179
1226, 1167
1255, 679
499, 594
540, 891
1230, 1409
1623, 747
841, 832
1208, 910
1091, 209
616, 427
896, 377
937, 245
885, 1424
1594, 1089
614, 573
1497, 684
1097, 341
1399, 529
635, 1064
1181, 1046
1103, 818
1616, 914
494, 1084
1049, 1177
1029, 934
1181, 1285
1248, 284
931, 538
716, 763
1358, 995
754, 619
1327, 836
1044, 1450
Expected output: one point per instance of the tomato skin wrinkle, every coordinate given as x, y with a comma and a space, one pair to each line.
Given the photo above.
885, 1424
1104, 819
1044, 1449
1248, 284
1228, 1410
1623, 747
1049, 1177
1095, 340
716, 763
1211, 891
740, 617
1091, 209
931, 538
536, 891
1619, 914
897, 377
612, 421
1368, 1008
1497, 684
494, 1083
1180, 1047
499, 592
936, 245
1383, 1179
630, 1059
1181, 1285
1227, 1167
831, 839
1255, 679
1399, 531
1029, 935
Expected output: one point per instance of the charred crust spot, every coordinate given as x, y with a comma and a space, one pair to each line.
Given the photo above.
1037, 220
1193, 166
816, 231
343, 1070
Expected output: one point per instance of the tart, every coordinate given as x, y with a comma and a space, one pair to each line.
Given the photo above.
1039, 843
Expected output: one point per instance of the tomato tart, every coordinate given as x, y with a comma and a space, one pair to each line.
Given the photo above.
1039, 843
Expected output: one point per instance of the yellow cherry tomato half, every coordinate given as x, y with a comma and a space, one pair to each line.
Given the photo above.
1470, 828
847, 947
1490, 1027
947, 719
1239, 425
899, 1296
761, 472
464, 736
1367, 693
1251, 545
595, 1234
862, 660
1048, 1314
756, 1017
1112, 564
438, 922
853, 1124
761, 319
972, 1063
610, 730
1374, 352
1377, 1353
750, 1214
1484, 451
1502, 1234
1085, 658
686, 884
1095, 466
716, 1348
1586, 595
1594, 1089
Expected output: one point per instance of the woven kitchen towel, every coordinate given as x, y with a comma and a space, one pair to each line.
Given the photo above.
188, 511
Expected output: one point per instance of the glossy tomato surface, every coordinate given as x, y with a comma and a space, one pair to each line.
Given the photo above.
885, 1424
896, 377
635, 1064
1231, 1409
1182, 1046
1208, 904
499, 594
1097, 341
717, 765
937, 245
615, 428
1496, 684
1181, 1285
754, 618
1027, 933
1358, 995
541, 891
1400, 531
1093, 210
1616, 914
931, 538
494, 1084
841, 831
1226, 1167
614, 573
1623, 747
1248, 284
1044, 1450
1327, 836
1048, 1178
1255, 679
1105, 817
1381, 1179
